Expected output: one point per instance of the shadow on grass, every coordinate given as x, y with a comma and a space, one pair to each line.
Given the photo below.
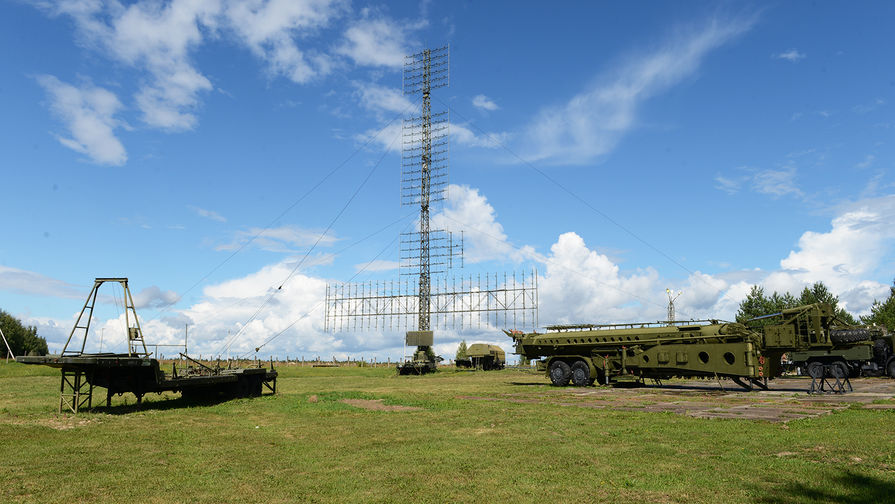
846, 488
164, 404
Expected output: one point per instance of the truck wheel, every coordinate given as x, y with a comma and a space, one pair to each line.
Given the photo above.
560, 372
815, 369
892, 369
849, 335
580, 374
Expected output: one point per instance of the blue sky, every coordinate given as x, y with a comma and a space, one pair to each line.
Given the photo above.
618, 149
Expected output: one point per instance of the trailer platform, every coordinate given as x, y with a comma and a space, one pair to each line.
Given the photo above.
123, 373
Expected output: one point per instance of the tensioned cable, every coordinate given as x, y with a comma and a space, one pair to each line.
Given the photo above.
567, 190
337, 252
308, 253
312, 310
283, 213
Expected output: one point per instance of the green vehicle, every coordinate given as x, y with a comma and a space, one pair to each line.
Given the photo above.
613, 353
483, 356
423, 361
857, 352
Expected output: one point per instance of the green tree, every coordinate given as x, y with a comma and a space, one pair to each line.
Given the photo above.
883, 312
22, 339
757, 303
461, 351
819, 293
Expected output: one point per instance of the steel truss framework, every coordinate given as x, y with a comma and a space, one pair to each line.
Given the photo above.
480, 301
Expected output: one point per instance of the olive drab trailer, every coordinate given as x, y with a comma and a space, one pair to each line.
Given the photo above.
483, 356
612, 353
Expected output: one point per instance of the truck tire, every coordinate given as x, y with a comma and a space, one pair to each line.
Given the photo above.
560, 373
815, 369
849, 335
580, 374
891, 369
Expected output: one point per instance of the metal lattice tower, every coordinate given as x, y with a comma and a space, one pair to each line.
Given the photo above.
423, 72
430, 299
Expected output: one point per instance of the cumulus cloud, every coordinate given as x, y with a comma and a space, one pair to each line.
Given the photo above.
378, 41
269, 30
154, 297
160, 39
484, 103
89, 114
858, 242
592, 123
791, 55
469, 212
383, 99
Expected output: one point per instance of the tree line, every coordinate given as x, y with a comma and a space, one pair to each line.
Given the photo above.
22, 339
758, 303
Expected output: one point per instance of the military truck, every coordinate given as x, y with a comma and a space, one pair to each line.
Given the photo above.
423, 360
857, 352
483, 356
612, 353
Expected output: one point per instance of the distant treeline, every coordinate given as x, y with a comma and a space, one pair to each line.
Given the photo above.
23, 340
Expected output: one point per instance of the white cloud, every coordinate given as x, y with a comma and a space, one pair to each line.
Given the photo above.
728, 185
281, 239
388, 137
858, 243
30, 283
383, 99
593, 122
581, 285
776, 183
159, 39
484, 103
465, 136
154, 297
792, 55
89, 114
269, 30
377, 42
208, 214
467, 210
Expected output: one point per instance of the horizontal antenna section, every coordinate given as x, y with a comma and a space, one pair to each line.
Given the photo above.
481, 301
427, 70
444, 251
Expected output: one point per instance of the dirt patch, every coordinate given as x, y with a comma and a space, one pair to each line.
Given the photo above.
787, 400
377, 405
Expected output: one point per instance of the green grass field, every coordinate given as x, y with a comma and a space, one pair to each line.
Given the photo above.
305, 445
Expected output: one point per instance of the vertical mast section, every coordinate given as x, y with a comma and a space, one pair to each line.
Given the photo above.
425, 284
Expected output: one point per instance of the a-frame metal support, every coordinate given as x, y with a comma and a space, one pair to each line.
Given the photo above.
134, 332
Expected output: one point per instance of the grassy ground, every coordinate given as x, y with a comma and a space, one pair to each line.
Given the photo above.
304, 445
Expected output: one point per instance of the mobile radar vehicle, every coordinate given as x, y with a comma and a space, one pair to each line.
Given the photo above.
612, 353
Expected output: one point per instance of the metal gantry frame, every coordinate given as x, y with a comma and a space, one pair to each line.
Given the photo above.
134, 332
